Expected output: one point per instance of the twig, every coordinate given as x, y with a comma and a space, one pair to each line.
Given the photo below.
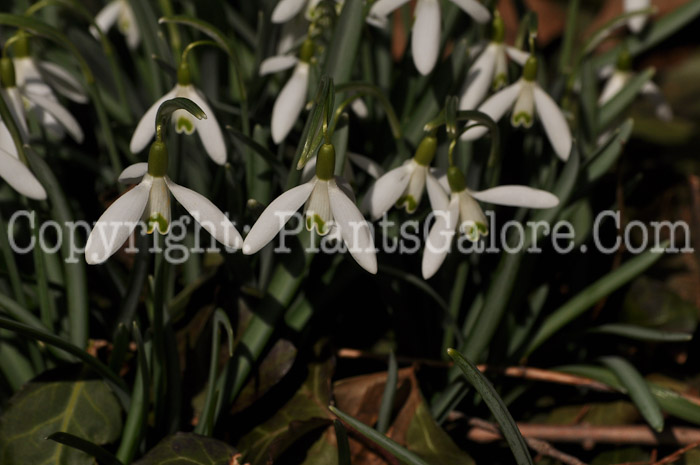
676, 455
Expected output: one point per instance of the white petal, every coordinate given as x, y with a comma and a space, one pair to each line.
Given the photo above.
289, 103
353, 228
63, 116
425, 40
368, 165
134, 173
636, 23
661, 106
286, 10
614, 85
6, 142
277, 63
158, 207
345, 186
474, 9
517, 55
479, 79
17, 175
386, 191
517, 196
437, 194
359, 107
382, 8
146, 129
116, 224
107, 16
129, 26
495, 106
309, 170
206, 214
607, 71
524, 108
440, 238
63, 82
16, 105
317, 211
209, 130
275, 216
554, 123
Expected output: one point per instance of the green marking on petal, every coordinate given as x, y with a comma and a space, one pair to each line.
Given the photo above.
408, 202
314, 221
522, 119
499, 81
473, 231
157, 221
183, 124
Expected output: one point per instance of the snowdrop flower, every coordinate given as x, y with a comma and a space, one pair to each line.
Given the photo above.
208, 129
462, 211
120, 12
368, 165
425, 42
285, 10
526, 97
490, 70
151, 198
292, 99
637, 22
12, 170
620, 75
36, 81
329, 203
404, 186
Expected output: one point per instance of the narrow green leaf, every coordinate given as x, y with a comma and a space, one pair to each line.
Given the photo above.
167, 108
341, 436
391, 446
577, 305
617, 105
311, 136
90, 448
343, 48
493, 401
387, 405
638, 390
641, 333
606, 29
606, 156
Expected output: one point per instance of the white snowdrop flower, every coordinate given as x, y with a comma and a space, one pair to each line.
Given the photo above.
286, 10
425, 40
490, 70
637, 22
208, 129
329, 204
291, 100
461, 211
151, 198
617, 78
366, 164
525, 98
403, 187
36, 81
121, 13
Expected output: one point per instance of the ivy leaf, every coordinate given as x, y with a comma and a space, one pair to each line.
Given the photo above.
189, 449
83, 407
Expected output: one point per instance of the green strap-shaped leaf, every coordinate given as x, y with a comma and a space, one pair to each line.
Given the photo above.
641, 333
495, 404
90, 448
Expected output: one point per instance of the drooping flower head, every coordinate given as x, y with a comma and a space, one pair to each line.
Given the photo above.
637, 22
329, 203
121, 13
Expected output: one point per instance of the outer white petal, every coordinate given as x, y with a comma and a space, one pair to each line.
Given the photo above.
440, 238
661, 106
345, 186
29, 79
6, 142
386, 191
206, 214
517, 196
479, 79
63, 116
614, 85
116, 224
14, 101
286, 10
353, 228
17, 175
359, 107
495, 106
277, 63
368, 165
425, 39
437, 194
517, 55
129, 26
309, 170
383, 7
63, 82
554, 123
289, 103
107, 16
524, 108
474, 9
133, 173
208, 129
146, 129
275, 216
636, 23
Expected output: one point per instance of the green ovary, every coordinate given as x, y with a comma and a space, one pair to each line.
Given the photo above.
157, 221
